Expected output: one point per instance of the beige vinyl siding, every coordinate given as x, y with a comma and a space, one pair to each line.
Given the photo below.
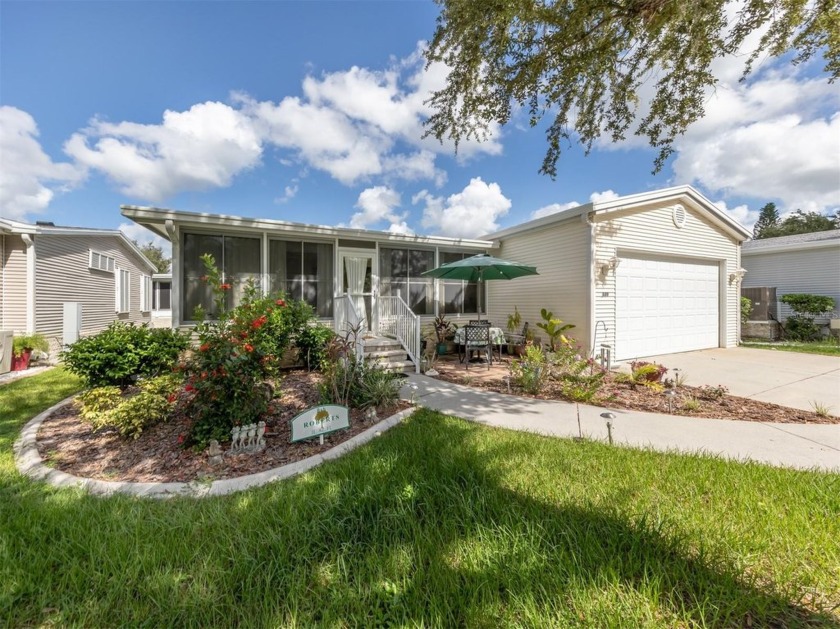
13, 284
815, 270
560, 252
651, 231
62, 275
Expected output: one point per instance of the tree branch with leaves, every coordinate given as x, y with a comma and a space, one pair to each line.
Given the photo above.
582, 63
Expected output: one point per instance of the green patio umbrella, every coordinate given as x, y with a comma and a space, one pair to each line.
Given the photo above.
481, 268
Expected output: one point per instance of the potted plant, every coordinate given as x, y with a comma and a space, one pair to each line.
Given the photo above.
22, 347
442, 327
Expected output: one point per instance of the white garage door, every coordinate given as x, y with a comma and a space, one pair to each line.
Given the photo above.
665, 306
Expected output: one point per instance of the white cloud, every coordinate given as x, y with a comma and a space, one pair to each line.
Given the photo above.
741, 213
547, 210
466, 214
289, 192
595, 197
378, 204
28, 177
785, 158
601, 197
204, 147
143, 236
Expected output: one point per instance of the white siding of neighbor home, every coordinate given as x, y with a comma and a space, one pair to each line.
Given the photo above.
62, 275
560, 252
651, 231
13, 284
815, 270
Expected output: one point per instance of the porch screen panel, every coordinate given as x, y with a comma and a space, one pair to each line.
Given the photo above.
401, 273
303, 270
241, 264
238, 260
197, 292
460, 297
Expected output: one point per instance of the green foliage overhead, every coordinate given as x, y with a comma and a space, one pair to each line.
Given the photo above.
799, 222
583, 63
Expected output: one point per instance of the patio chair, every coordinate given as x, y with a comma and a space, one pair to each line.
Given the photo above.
477, 339
518, 339
480, 322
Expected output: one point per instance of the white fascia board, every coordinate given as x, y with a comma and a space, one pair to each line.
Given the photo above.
792, 246
676, 193
539, 223
152, 217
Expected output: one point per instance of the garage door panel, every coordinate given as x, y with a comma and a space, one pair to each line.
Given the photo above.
665, 306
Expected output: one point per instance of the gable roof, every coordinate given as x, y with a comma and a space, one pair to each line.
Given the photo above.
795, 242
9, 226
684, 194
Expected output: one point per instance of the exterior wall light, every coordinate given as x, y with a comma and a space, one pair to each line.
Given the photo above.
605, 266
737, 276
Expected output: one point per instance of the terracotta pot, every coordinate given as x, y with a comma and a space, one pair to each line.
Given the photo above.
21, 363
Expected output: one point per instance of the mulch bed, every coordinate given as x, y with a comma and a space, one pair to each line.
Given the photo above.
71, 445
622, 396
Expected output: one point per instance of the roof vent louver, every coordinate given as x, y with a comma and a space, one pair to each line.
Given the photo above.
678, 215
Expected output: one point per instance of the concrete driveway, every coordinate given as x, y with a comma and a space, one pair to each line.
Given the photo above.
786, 378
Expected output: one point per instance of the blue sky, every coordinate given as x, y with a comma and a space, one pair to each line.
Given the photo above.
312, 112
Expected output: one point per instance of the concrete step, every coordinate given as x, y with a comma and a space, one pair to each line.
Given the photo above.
397, 352
405, 366
381, 344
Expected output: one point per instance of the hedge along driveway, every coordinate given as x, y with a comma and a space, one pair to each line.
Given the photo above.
439, 522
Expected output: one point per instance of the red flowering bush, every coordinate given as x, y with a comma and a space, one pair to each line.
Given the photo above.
238, 352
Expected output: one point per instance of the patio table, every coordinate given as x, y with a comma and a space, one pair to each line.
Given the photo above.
497, 338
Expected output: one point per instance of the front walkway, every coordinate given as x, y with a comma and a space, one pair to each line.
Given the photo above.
785, 445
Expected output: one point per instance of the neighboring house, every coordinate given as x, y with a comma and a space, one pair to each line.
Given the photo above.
804, 263
162, 300
44, 267
648, 274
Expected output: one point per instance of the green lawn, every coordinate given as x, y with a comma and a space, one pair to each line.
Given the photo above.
827, 348
439, 522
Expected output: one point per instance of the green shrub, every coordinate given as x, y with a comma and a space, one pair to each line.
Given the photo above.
580, 378
531, 371
358, 384
746, 309
376, 387
122, 352
312, 342
801, 326
554, 328
96, 404
809, 305
712, 393
130, 414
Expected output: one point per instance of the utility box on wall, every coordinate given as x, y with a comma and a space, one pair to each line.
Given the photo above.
763, 303
72, 322
6, 339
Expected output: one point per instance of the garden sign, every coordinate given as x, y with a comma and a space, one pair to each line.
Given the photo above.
320, 421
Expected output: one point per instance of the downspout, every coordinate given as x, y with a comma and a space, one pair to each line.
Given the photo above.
587, 218
30, 282
175, 291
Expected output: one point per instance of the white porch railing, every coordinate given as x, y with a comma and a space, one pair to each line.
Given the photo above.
396, 319
346, 319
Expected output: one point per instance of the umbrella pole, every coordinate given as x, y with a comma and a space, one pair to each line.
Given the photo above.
479, 294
